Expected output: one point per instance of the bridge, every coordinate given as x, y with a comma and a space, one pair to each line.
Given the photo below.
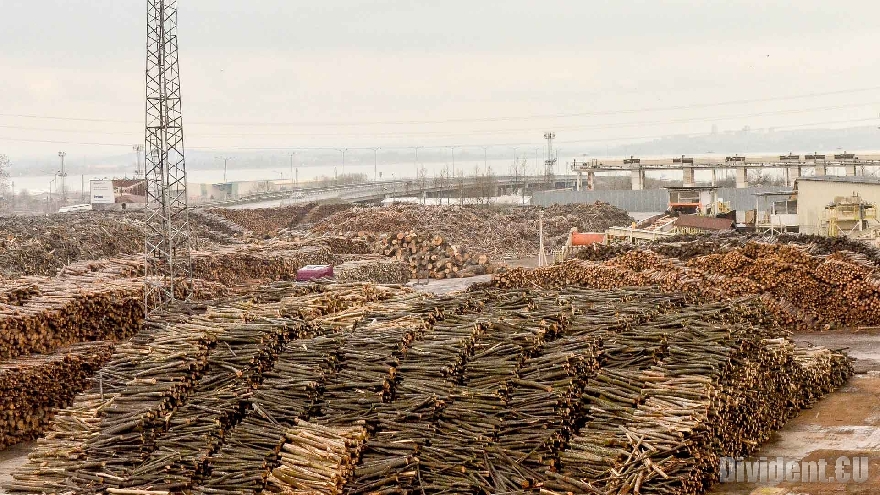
377, 191
793, 166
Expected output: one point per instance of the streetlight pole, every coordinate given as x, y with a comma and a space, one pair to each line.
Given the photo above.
416, 161
342, 150
225, 184
515, 165
375, 164
63, 154
293, 154
453, 159
485, 159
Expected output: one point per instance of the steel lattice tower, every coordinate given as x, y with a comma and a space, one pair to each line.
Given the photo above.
167, 244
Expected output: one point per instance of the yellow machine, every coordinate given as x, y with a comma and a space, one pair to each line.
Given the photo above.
850, 216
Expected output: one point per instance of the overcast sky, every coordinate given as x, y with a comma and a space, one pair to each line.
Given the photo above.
356, 73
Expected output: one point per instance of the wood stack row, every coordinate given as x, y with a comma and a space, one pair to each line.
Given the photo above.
383, 271
817, 291
493, 391
65, 312
235, 265
32, 389
268, 221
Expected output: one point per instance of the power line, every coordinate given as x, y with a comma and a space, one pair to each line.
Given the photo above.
439, 146
466, 120
616, 125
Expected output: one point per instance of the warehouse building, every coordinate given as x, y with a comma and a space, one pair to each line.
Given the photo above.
827, 205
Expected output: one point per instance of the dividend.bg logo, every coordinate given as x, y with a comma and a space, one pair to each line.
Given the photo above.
781, 469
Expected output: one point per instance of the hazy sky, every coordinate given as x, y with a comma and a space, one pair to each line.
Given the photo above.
355, 73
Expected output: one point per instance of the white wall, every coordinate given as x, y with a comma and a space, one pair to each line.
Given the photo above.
813, 196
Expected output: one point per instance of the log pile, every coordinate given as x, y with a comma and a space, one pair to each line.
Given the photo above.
378, 271
492, 391
804, 289
432, 256
336, 451
496, 231
67, 311
42, 245
266, 222
235, 265
24, 413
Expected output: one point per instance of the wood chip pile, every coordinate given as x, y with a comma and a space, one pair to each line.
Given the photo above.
814, 291
493, 391
58, 377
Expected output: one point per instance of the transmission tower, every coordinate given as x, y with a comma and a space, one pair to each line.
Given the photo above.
168, 263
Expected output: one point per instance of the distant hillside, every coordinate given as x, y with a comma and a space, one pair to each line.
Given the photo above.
743, 142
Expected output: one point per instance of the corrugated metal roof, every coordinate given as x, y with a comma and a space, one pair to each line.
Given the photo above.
704, 223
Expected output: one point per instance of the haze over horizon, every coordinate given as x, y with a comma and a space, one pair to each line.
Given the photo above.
275, 75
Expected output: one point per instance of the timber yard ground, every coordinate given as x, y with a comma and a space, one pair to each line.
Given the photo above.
486, 362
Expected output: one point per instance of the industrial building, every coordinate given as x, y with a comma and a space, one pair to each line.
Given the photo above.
829, 205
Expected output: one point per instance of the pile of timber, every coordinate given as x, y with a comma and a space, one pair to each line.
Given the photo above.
43, 245
380, 271
492, 391
687, 246
336, 451
34, 388
237, 264
60, 312
497, 231
267, 222
432, 256
815, 291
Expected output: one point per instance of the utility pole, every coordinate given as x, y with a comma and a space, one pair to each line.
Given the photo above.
63, 189
167, 255
485, 159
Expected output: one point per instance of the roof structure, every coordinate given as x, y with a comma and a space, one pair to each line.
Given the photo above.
853, 179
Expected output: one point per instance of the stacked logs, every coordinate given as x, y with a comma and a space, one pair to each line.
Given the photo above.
493, 391
494, 230
816, 291
336, 450
32, 389
268, 221
379, 271
240, 264
65, 311
431, 256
